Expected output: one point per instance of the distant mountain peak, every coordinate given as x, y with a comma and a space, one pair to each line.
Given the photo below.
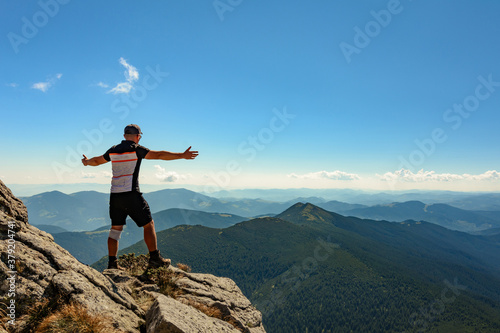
298, 205
307, 213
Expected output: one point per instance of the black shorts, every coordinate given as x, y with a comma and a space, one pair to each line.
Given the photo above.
130, 204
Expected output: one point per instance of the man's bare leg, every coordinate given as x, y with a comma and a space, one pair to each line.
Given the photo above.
113, 248
155, 259
113, 243
150, 236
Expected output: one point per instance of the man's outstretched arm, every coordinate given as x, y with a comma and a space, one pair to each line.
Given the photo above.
94, 161
168, 156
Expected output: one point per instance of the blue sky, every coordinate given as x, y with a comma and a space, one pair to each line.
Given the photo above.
328, 94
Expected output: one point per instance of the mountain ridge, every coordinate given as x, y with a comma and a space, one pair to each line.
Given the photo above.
88, 210
441, 214
325, 265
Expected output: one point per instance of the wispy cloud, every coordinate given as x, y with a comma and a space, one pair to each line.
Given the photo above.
88, 175
131, 76
102, 85
404, 175
12, 85
330, 175
168, 176
45, 85
92, 175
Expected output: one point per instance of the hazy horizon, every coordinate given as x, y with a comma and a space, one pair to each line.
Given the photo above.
26, 190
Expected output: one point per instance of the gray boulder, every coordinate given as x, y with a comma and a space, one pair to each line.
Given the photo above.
232, 311
167, 315
12, 206
223, 294
45, 271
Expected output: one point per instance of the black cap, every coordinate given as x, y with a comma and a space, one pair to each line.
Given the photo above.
132, 129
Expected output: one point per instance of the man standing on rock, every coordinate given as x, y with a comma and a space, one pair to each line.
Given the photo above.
126, 198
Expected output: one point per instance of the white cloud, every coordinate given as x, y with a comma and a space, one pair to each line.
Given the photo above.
88, 175
331, 175
91, 175
488, 175
45, 85
42, 86
131, 76
107, 173
102, 85
425, 176
121, 88
168, 176
12, 85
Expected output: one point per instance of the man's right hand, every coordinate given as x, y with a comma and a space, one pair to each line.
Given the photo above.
189, 155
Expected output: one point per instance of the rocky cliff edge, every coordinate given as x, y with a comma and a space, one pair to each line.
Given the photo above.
45, 288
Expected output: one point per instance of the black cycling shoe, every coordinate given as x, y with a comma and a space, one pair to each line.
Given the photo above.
114, 265
156, 261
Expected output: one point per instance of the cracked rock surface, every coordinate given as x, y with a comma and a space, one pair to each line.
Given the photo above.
180, 315
45, 270
223, 294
